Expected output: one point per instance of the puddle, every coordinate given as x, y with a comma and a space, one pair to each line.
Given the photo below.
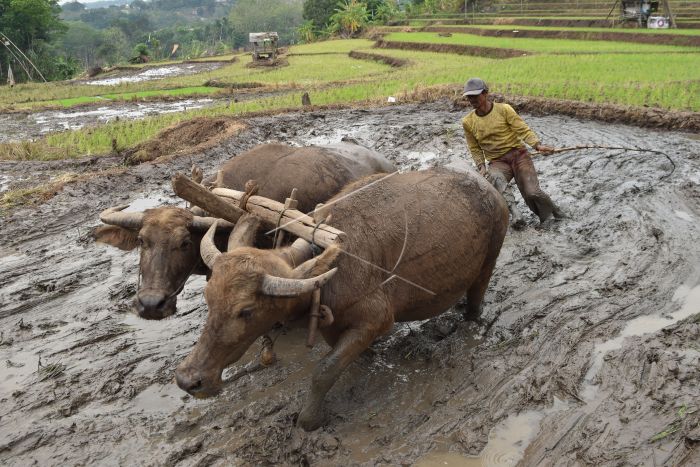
158, 73
74, 120
4, 183
637, 327
149, 202
506, 445
159, 398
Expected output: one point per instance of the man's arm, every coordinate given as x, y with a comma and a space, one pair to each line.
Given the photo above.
519, 127
474, 148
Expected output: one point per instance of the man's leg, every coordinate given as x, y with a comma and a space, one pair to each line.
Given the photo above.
500, 174
537, 200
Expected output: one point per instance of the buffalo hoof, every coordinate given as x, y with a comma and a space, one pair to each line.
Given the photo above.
310, 420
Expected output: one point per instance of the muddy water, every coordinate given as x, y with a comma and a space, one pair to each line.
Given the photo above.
155, 73
511, 390
17, 127
20, 126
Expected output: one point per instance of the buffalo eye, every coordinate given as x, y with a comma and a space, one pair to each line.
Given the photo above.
245, 313
186, 244
139, 241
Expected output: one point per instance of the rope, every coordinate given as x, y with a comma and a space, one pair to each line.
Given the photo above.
616, 148
277, 227
315, 247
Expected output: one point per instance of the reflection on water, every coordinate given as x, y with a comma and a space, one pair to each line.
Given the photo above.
507, 442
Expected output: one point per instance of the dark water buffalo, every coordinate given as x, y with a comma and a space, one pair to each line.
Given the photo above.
416, 243
169, 237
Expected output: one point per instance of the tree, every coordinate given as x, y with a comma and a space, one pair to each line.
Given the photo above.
31, 25
82, 43
306, 31
319, 11
28, 22
350, 18
73, 7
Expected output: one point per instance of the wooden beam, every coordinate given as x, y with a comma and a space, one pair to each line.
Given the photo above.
292, 221
200, 196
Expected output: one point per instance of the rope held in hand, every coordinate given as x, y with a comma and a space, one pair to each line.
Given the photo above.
616, 148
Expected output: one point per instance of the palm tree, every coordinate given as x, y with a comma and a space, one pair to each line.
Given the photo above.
306, 31
351, 17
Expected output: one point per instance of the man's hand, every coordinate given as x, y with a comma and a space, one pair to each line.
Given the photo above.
544, 149
483, 170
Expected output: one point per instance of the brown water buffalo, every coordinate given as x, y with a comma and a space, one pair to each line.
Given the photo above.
416, 243
169, 237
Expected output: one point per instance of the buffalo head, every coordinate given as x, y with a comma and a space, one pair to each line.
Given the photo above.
168, 238
250, 290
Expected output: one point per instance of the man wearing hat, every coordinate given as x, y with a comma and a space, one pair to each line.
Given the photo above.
495, 134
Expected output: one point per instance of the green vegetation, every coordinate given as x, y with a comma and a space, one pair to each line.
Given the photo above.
304, 71
604, 72
559, 46
142, 95
511, 27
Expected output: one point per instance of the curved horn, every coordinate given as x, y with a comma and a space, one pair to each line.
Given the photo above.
280, 287
244, 232
207, 249
128, 220
200, 223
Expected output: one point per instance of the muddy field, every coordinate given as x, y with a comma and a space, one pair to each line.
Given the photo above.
587, 352
150, 73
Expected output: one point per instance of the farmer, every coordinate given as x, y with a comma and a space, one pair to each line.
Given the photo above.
495, 134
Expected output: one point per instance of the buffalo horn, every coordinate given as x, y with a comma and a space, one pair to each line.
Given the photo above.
127, 220
280, 287
200, 223
207, 249
243, 234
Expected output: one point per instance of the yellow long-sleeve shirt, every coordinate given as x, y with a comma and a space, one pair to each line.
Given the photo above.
491, 136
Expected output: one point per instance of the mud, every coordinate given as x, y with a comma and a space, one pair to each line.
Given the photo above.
149, 73
82, 381
21, 126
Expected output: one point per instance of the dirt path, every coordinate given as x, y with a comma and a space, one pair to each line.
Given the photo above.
547, 370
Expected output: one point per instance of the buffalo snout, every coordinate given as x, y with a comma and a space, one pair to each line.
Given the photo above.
195, 382
154, 304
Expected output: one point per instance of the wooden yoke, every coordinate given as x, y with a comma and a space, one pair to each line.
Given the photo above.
200, 196
289, 203
317, 310
290, 220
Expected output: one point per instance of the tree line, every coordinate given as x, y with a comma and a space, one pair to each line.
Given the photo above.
64, 40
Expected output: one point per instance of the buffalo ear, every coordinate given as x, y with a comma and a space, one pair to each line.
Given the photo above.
318, 265
119, 237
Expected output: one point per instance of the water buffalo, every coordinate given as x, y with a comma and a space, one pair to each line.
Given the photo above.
169, 237
416, 243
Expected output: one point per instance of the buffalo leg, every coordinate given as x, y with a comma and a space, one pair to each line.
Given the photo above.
476, 293
351, 343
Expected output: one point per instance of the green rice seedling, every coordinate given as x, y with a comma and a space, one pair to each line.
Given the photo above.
559, 46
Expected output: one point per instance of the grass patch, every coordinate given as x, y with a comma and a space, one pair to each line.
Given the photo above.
127, 96
558, 46
23, 196
302, 71
511, 27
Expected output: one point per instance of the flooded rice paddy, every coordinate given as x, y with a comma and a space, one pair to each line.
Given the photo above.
586, 353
